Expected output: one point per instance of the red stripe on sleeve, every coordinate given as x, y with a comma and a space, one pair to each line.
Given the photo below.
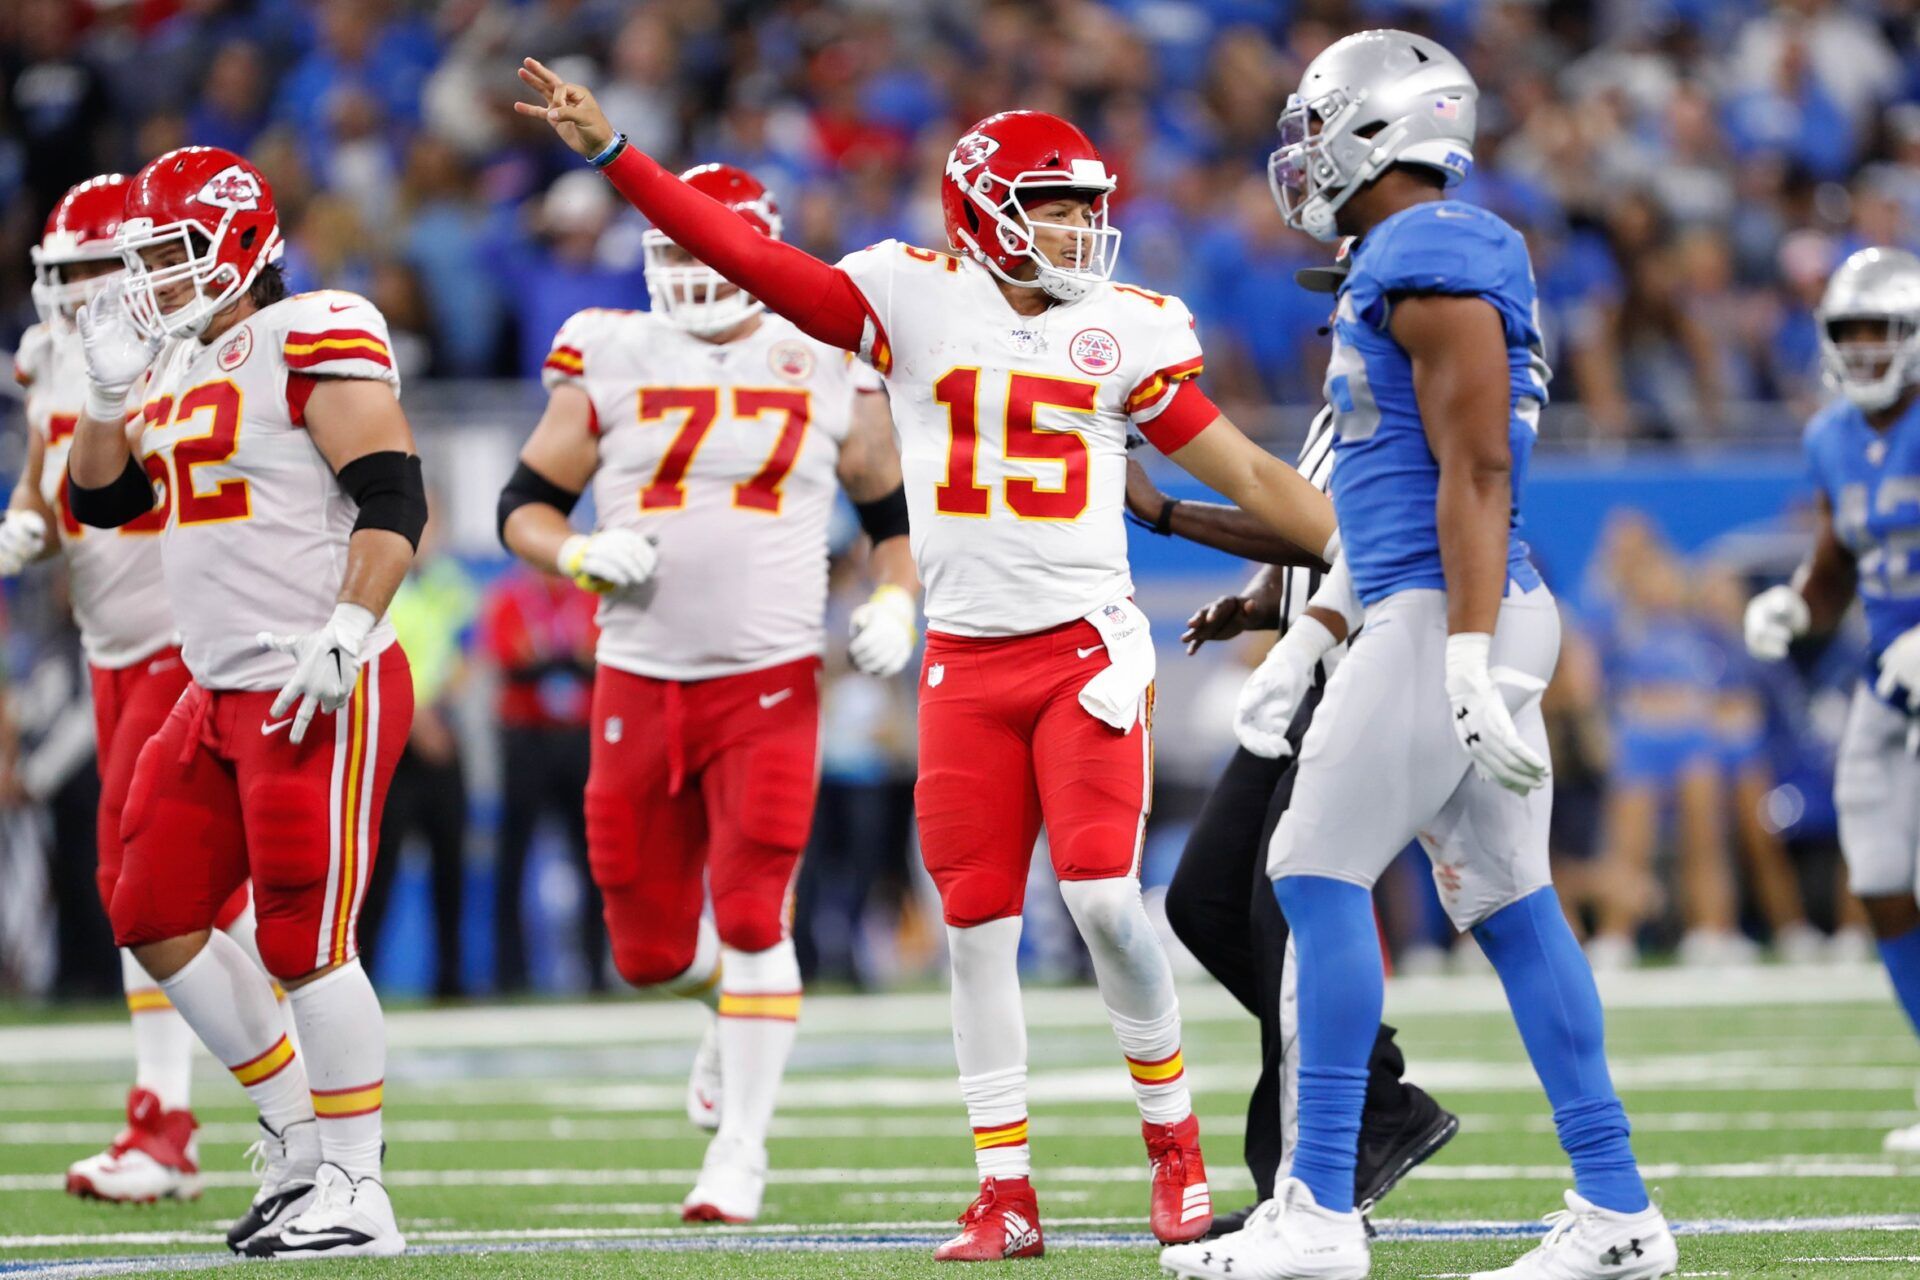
1188, 414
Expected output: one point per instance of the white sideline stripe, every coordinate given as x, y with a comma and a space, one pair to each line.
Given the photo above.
1812, 1166
640, 1021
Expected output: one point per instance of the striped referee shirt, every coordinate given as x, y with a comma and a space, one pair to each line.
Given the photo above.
1316, 464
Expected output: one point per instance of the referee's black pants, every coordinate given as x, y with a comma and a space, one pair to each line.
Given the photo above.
1221, 906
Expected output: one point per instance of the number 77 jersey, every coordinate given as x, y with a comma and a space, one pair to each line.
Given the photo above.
1013, 432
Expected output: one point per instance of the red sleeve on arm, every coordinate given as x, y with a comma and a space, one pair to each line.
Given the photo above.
822, 300
1188, 414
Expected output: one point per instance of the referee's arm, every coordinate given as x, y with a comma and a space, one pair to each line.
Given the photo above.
1211, 524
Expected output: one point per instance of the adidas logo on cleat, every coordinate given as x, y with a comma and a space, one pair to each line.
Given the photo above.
1020, 1233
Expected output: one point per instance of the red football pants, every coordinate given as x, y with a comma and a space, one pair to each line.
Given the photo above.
1004, 746
130, 704
221, 793
717, 775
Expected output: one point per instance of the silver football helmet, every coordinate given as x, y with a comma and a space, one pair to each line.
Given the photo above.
1880, 286
1379, 98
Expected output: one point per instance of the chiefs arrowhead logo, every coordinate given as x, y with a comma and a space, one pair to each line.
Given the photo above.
231, 188
969, 154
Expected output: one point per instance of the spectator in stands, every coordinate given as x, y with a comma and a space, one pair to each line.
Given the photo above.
539, 634
576, 263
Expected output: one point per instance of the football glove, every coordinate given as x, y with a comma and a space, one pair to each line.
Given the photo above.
1775, 619
116, 354
1900, 667
23, 536
1272, 694
608, 560
326, 665
1481, 719
885, 632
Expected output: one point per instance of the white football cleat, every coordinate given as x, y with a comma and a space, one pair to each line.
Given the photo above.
1902, 1141
349, 1218
286, 1164
1587, 1242
152, 1159
703, 1084
732, 1179
1288, 1238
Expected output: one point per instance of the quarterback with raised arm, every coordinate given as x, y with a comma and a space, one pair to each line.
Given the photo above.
715, 437
271, 437
1015, 368
133, 658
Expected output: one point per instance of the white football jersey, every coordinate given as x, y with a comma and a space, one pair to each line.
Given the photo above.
1013, 432
256, 522
114, 577
727, 456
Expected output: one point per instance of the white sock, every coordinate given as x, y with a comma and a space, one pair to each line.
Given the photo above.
990, 1043
1137, 984
701, 980
243, 930
228, 1001
346, 1038
759, 1016
162, 1040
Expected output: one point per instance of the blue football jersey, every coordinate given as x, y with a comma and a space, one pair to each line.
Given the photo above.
1387, 480
1872, 481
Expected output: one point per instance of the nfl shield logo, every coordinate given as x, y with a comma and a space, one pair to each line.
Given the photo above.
616, 729
936, 673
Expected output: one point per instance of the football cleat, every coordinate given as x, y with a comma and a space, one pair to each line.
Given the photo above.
732, 1178
1182, 1207
703, 1084
1899, 1142
349, 1218
286, 1164
152, 1159
1002, 1222
1288, 1238
1395, 1144
1586, 1242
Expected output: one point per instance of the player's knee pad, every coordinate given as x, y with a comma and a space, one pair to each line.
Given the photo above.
749, 887
290, 838
971, 898
286, 946
748, 920
613, 838
648, 957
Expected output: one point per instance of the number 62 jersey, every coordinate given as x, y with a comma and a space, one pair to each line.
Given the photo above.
256, 522
1013, 432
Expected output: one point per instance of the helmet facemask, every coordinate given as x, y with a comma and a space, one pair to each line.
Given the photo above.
1093, 250
56, 297
689, 294
1871, 373
1312, 174
216, 285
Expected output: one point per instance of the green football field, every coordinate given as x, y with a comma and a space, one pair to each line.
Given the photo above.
549, 1139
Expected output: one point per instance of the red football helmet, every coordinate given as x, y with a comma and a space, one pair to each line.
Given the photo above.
1014, 159
219, 210
690, 294
81, 228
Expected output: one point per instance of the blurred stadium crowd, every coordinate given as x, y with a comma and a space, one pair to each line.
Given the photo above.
1688, 172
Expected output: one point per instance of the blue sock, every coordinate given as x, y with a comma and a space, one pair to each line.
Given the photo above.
1902, 958
1342, 987
1557, 1009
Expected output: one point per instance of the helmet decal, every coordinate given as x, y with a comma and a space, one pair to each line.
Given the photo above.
231, 188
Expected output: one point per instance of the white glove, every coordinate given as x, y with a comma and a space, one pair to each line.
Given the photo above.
608, 560
1775, 619
885, 632
115, 352
1481, 718
1273, 692
23, 536
326, 665
1900, 667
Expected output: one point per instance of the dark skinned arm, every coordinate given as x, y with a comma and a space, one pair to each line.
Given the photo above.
1214, 524
1828, 578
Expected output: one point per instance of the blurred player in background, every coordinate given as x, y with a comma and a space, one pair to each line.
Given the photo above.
715, 437
293, 503
1016, 369
133, 653
1863, 452
1437, 380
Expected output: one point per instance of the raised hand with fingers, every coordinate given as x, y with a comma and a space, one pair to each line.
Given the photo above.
569, 108
116, 353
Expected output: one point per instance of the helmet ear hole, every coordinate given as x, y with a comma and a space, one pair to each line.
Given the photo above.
247, 237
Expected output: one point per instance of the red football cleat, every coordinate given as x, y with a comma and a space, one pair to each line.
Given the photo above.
152, 1159
1182, 1205
1004, 1222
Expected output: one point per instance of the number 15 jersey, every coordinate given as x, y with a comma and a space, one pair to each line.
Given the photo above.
1013, 432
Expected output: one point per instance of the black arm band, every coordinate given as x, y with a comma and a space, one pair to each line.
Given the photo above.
886, 517
525, 488
1163, 523
391, 494
112, 505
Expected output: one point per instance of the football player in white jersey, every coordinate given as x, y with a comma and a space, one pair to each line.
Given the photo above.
293, 502
133, 657
1015, 368
715, 437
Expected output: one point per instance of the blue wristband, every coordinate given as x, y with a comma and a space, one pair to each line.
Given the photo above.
606, 154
